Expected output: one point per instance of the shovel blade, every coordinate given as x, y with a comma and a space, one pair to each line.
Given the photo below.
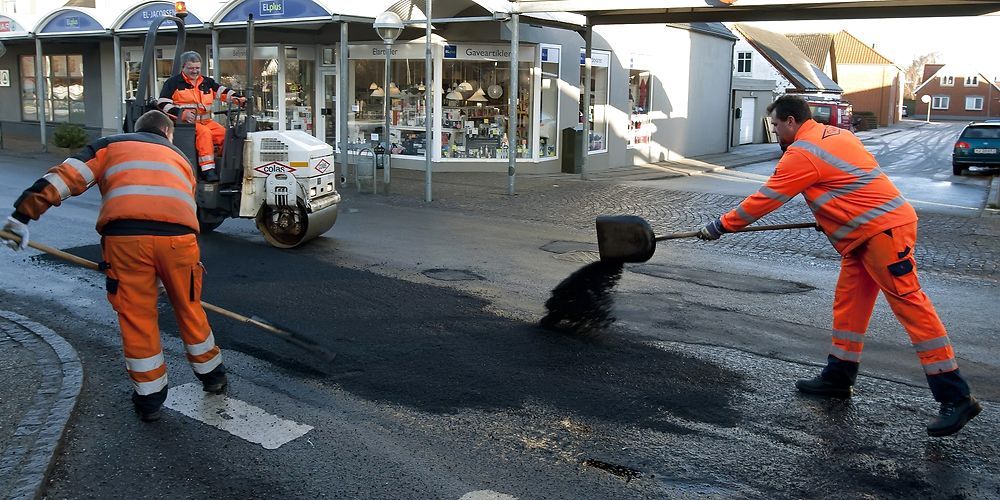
624, 238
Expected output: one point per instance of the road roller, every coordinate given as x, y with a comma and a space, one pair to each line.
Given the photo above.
283, 179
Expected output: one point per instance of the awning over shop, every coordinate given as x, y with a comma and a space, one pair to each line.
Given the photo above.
272, 12
141, 16
71, 21
12, 28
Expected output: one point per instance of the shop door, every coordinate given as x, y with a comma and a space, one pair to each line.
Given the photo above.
328, 111
748, 105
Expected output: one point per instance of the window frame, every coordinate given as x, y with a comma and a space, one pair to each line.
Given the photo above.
974, 97
947, 81
76, 110
941, 102
605, 104
748, 60
972, 81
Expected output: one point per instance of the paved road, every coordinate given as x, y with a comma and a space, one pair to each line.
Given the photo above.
443, 386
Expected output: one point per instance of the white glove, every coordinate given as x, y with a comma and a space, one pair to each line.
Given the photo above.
20, 229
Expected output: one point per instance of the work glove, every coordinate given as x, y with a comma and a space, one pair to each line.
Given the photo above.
18, 228
187, 116
240, 101
712, 231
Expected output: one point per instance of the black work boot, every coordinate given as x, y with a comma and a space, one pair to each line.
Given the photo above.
953, 416
819, 386
214, 381
210, 175
149, 407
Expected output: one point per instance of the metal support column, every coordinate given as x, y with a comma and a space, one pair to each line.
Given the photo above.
588, 40
119, 87
343, 105
216, 61
387, 107
40, 93
429, 87
512, 103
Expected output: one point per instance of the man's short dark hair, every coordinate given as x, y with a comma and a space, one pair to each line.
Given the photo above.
790, 105
154, 121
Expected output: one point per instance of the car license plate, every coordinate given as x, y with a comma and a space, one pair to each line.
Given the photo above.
985, 151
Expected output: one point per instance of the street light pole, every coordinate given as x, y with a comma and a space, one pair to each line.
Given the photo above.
429, 87
926, 99
388, 25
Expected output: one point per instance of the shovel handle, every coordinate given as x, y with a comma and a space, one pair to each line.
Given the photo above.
775, 227
80, 261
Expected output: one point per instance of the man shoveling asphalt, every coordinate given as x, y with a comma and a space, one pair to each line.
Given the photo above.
875, 229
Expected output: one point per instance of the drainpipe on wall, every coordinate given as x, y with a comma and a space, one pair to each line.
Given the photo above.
730, 120
119, 88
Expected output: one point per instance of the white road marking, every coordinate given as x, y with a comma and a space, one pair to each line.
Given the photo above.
486, 495
942, 204
234, 416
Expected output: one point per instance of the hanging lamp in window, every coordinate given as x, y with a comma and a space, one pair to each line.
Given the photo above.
378, 92
465, 86
479, 95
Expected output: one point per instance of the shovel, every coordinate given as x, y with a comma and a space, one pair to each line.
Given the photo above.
629, 238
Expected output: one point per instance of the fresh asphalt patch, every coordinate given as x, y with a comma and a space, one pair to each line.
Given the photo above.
438, 350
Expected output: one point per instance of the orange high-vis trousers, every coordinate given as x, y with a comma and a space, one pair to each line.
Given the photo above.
135, 264
885, 262
208, 134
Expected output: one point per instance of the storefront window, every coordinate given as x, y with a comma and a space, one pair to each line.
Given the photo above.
63, 85
639, 128
406, 93
132, 61
548, 125
599, 81
233, 74
300, 89
475, 104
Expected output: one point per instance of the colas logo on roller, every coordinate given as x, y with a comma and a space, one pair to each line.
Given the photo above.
274, 167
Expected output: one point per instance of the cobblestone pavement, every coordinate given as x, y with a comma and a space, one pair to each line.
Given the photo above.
958, 245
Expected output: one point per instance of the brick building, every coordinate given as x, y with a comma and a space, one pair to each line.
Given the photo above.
957, 94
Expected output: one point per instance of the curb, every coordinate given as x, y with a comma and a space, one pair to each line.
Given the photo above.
993, 198
25, 468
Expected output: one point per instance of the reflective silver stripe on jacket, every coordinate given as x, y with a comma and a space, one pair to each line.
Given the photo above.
148, 165
749, 219
845, 354
58, 183
202, 348
847, 336
930, 345
147, 388
868, 216
865, 177
83, 169
767, 193
947, 365
186, 197
208, 366
144, 364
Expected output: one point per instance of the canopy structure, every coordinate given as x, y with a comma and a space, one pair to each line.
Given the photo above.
688, 11
11, 27
72, 21
139, 17
283, 12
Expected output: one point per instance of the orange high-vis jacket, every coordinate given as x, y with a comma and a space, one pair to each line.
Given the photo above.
180, 93
141, 175
847, 192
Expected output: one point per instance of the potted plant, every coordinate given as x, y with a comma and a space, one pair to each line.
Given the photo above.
69, 138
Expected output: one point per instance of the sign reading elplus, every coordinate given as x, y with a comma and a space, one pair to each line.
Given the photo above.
272, 7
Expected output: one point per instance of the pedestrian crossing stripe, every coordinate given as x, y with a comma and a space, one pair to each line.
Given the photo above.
236, 417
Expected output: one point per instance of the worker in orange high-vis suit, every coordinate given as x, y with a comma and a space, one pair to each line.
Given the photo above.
148, 231
188, 96
875, 230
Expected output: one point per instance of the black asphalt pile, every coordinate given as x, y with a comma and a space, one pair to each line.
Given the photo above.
583, 302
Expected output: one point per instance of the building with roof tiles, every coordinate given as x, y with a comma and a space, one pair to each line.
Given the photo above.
957, 93
871, 82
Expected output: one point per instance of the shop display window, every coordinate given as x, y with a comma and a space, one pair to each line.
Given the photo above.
548, 123
599, 81
408, 112
300, 90
639, 100
475, 110
233, 74
63, 89
132, 61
